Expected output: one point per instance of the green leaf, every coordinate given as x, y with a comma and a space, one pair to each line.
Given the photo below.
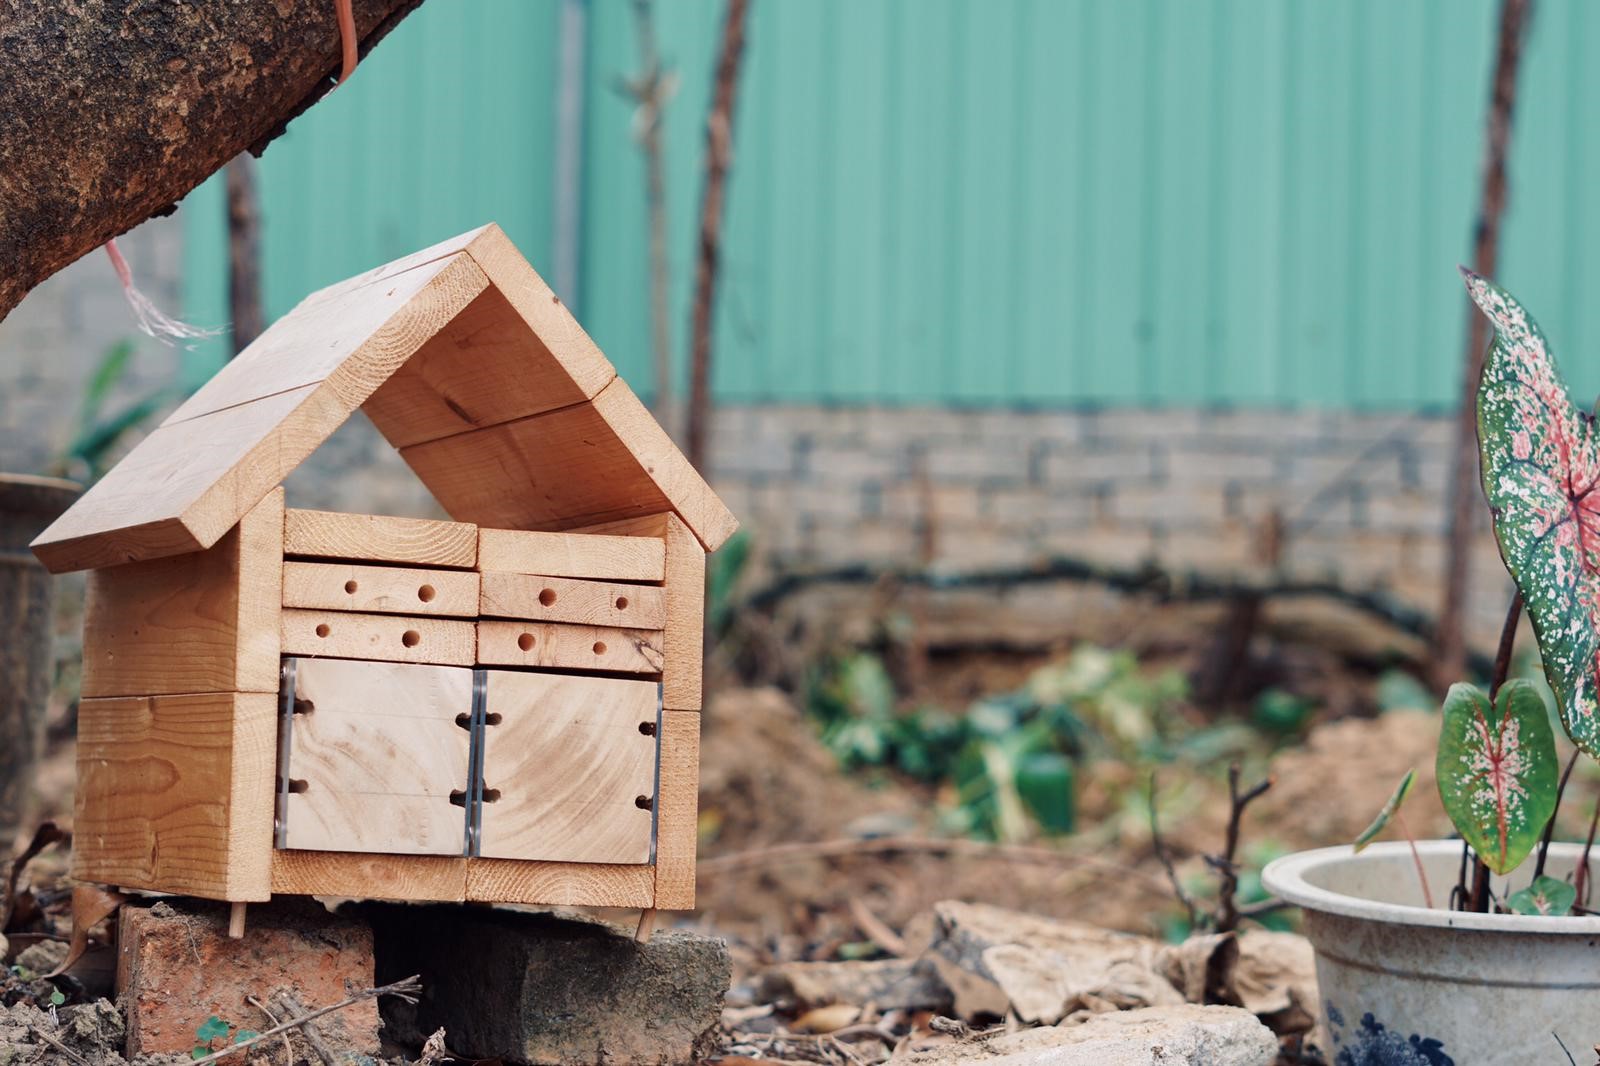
244, 1034
1044, 781
1401, 791
199, 1053
213, 1028
57, 998
1545, 896
1497, 770
1541, 474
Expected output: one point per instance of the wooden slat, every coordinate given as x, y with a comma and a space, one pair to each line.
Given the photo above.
375, 538
356, 876
203, 622
685, 604
592, 462
560, 884
557, 646
569, 758
565, 599
375, 753
386, 637
677, 819
603, 558
380, 589
175, 794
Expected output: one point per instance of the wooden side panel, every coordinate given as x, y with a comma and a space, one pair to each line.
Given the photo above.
355, 876
678, 802
604, 558
175, 794
593, 462
571, 759
565, 599
385, 637
417, 541
375, 753
685, 604
560, 884
556, 646
380, 589
203, 622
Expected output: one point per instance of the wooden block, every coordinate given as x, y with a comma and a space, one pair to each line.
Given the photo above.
375, 753
419, 541
354, 876
560, 884
571, 759
175, 794
678, 810
685, 605
557, 646
380, 589
565, 599
605, 558
387, 637
593, 462
203, 622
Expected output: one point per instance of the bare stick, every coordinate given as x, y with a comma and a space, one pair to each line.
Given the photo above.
1422, 875
407, 990
58, 1045
309, 1031
1580, 880
1226, 865
874, 927
288, 1049
1166, 862
1550, 826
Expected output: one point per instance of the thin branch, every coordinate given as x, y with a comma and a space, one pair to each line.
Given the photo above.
1508, 640
58, 1045
1227, 865
1550, 826
1166, 862
407, 990
288, 1049
1580, 880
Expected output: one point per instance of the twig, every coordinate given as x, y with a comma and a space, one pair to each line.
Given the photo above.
58, 1045
406, 990
288, 1049
1228, 902
309, 1031
874, 927
1166, 862
1550, 826
1580, 880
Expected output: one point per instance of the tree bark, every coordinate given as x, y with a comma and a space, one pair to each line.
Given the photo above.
245, 312
1449, 653
112, 110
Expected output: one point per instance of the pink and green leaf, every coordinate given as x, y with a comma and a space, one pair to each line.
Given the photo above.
1541, 473
1401, 791
1545, 896
1497, 770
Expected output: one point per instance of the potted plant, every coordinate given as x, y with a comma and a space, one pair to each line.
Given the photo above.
1483, 950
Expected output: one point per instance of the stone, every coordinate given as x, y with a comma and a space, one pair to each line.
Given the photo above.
1181, 1035
887, 984
43, 957
176, 967
537, 988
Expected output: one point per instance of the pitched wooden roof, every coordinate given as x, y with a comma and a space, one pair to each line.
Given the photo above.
466, 362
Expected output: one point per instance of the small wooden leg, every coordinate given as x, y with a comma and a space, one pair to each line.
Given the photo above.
647, 925
236, 920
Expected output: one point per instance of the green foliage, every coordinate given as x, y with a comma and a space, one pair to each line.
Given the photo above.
98, 433
209, 1031
1545, 896
1390, 809
1497, 770
723, 569
1282, 713
1401, 691
57, 998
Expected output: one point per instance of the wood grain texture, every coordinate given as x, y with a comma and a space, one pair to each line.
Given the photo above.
203, 622
381, 589
357, 876
592, 462
375, 753
570, 761
685, 595
605, 558
386, 637
565, 599
175, 794
558, 646
560, 884
419, 541
678, 815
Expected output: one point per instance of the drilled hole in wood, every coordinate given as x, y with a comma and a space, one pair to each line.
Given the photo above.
323, 630
622, 603
548, 597
411, 638
303, 706
490, 795
297, 786
525, 642
642, 802
647, 728
599, 647
492, 718
458, 798
426, 594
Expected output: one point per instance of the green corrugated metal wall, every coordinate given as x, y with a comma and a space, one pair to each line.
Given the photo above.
1020, 202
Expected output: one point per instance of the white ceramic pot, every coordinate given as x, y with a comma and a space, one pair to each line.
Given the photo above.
1405, 985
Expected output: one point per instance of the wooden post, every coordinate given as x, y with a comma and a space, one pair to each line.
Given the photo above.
236, 920
647, 926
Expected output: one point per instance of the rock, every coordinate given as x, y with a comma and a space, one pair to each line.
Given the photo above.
43, 957
1182, 1035
888, 984
536, 988
1275, 979
177, 967
92, 1030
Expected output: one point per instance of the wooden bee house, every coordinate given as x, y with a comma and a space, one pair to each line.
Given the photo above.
502, 707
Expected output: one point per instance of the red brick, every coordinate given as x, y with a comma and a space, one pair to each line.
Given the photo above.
176, 967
